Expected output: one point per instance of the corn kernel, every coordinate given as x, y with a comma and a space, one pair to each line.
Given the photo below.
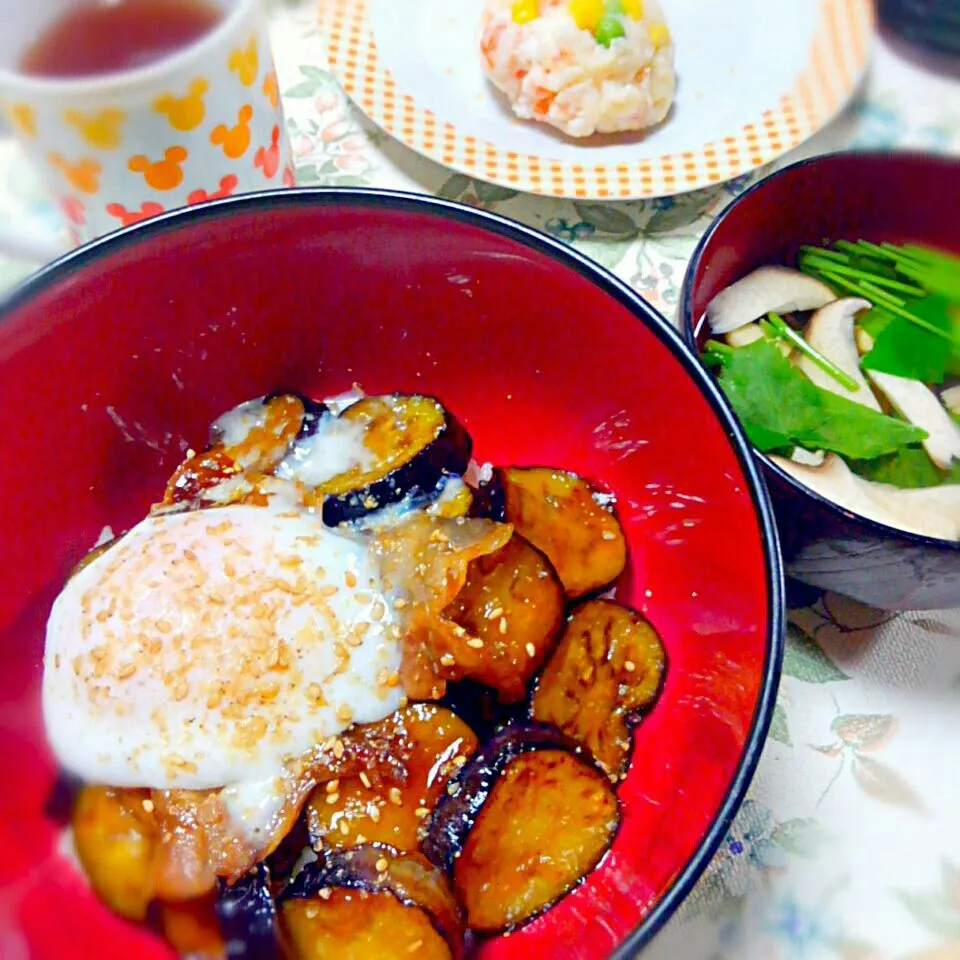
659, 35
586, 13
633, 8
523, 11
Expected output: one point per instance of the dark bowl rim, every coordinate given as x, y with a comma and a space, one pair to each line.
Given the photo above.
689, 325
569, 257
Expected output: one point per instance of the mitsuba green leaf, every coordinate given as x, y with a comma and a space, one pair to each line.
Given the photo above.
909, 467
775, 401
907, 350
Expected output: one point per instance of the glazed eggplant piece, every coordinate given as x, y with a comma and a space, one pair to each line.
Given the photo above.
371, 901
607, 669
454, 816
115, 836
433, 745
481, 709
414, 445
490, 498
248, 917
570, 521
547, 822
192, 927
513, 603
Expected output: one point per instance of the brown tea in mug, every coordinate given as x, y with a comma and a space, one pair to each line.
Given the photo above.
108, 36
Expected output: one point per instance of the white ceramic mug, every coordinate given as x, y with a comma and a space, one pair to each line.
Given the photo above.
206, 121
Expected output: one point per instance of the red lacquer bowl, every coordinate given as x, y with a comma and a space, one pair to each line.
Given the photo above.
115, 359
898, 197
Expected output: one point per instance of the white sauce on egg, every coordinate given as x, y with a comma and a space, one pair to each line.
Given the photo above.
208, 647
231, 428
335, 447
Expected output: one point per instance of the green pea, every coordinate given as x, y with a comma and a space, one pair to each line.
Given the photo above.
608, 29
613, 7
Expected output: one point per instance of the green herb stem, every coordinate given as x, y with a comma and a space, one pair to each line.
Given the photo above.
888, 302
780, 329
864, 275
824, 252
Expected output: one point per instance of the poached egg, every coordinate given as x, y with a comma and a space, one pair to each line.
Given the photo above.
212, 647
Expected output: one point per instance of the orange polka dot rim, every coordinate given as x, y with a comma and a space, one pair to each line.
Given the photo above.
754, 83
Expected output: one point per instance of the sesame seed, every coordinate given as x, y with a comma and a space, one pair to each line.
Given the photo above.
314, 692
629, 666
475, 642
363, 598
324, 893
415, 946
344, 713
493, 614
332, 786
531, 650
344, 828
382, 677
396, 797
382, 865
147, 806
127, 670
338, 748
361, 838
181, 690
393, 679
364, 779
399, 603
447, 660
333, 798
378, 611
503, 624
421, 812
459, 761
327, 590
311, 911
99, 652
373, 811
164, 626
350, 579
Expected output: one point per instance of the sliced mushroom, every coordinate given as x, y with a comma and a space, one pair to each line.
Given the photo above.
830, 333
928, 511
917, 403
950, 398
743, 336
777, 289
865, 342
809, 458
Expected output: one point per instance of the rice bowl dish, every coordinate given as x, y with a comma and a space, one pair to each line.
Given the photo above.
582, 66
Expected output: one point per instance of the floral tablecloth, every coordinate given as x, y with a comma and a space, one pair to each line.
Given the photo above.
848, 845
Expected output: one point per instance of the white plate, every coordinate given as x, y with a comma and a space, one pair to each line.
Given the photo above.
755, 78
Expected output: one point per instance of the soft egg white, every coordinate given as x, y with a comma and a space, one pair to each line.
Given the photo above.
211, 647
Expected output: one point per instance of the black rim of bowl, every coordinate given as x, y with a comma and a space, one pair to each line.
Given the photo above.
690, 323
71, 262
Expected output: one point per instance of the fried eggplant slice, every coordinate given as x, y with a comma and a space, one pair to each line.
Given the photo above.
371, 901
454, 816
513, 603
479, 706
607, 669
566, 518
192, 928
248, 917
413, 445
116, 837
433, 744
547, 823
